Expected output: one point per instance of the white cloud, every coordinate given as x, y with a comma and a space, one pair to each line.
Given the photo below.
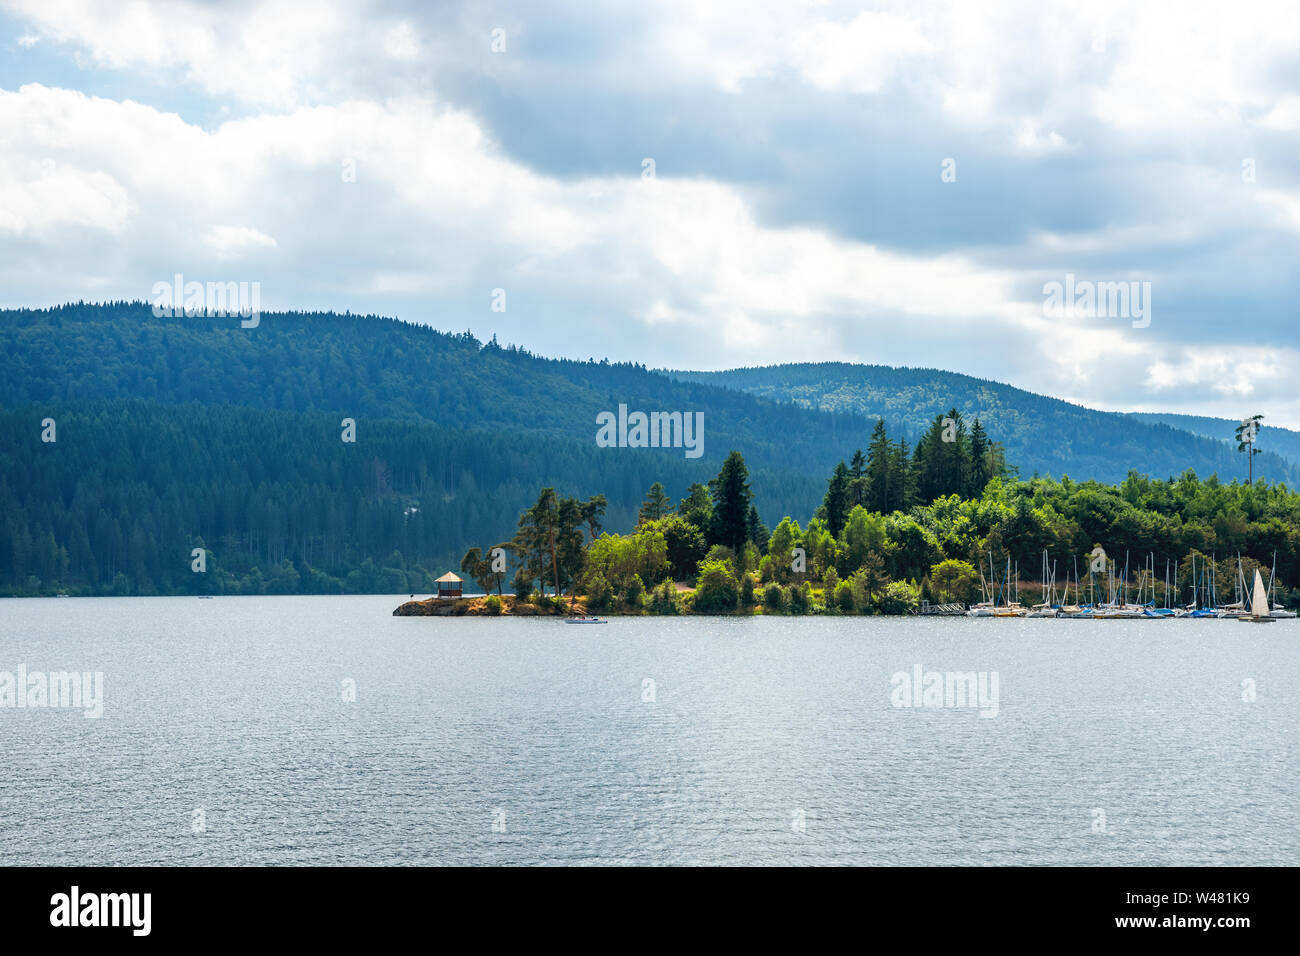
1239, 371
96, 191
275, 53
859, 56
1031, 138
432, 169
45, 201
402, 43
231, 242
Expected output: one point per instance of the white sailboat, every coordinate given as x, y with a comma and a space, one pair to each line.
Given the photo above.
1047, 608
1238, 607
1258, 604
1276, 611
985, 607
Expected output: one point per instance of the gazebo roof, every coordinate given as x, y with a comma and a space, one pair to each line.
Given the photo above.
448, 577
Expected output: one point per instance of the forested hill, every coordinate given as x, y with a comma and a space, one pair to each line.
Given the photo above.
179, 433
117, 503
1040, 434
183, 433
367, 367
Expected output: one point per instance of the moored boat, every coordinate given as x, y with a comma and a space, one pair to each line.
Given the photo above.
1259, 613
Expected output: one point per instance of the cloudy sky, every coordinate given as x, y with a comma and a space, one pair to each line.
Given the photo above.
687, 184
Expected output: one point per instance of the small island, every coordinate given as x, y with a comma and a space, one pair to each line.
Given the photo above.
937, 529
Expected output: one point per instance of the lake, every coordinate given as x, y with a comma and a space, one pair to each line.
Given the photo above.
228, 736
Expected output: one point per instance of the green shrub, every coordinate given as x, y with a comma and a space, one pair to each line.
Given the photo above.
665, 599
899, 597
774, 598
716, 591
831, 580
634, 591
522, 585
493, 604
600, 594
864, 595
800, 598
844, 597
953, 581
720, 552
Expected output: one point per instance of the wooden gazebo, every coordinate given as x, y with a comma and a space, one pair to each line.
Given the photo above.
449, 586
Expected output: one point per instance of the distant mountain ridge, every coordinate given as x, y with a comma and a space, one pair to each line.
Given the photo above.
1284, 442
792, 422
1041, 434
374, 368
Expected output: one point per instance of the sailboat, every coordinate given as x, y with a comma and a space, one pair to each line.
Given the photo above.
1258, 604
1073, 610
1277, 612
1238, 607
1046, 608
1117, 608
1013, 607
998, 590
1201, 605
985, 607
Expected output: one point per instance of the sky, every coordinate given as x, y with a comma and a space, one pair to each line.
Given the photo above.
688, 184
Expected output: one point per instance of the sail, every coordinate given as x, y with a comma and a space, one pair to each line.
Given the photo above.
1259, 602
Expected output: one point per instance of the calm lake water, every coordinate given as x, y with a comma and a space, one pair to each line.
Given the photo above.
760, 741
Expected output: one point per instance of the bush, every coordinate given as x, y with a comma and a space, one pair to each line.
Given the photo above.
863, 597
831, 580
844, 597
716, 591
774, 598
493, 604
720, 552
522, 585
665, 599
600, 594
899, 597
634, 591
952, 581
747, 590
800, 598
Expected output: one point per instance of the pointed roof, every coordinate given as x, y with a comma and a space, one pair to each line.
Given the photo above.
448, 577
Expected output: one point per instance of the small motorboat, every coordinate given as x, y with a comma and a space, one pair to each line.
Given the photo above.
578, 619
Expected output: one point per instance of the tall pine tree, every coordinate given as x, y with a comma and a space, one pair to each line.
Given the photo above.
731, 501
837, 502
